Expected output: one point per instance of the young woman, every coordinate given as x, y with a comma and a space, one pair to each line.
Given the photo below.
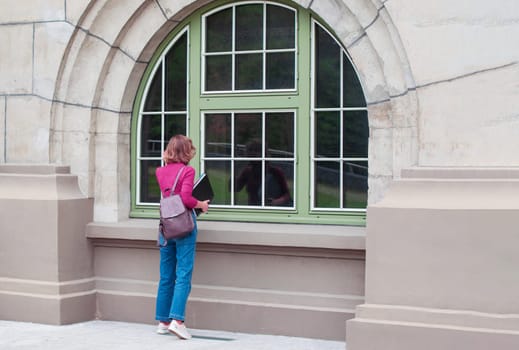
178, 255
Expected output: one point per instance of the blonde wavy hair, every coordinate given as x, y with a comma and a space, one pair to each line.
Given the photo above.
180, 149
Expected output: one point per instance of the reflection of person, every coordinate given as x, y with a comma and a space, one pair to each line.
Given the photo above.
277, 192
178, 255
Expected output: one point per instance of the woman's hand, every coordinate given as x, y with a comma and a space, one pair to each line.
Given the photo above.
204, 205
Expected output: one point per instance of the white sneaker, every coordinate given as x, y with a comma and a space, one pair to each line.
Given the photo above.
162, 328
179, 330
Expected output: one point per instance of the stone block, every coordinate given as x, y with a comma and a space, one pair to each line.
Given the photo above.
86, 71
389, 60
13, 11
368, 63
78, 152
405, 148
478, 127
177, 10
106, 122
115, 81
377, 187
50, 42
444, 40
345, 24
16, 63
112, 17
75, 9
381, 152
27, 123
144, 26
106, 152
365, 11
3, 135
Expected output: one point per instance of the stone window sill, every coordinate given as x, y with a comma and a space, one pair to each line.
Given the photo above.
239, 233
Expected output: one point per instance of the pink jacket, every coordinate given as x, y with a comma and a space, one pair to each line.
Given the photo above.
166, 176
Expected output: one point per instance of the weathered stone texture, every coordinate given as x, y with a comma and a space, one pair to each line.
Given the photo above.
445, 39
472, 121
50, 42
16, 58
2, 129
15, 11
27, 128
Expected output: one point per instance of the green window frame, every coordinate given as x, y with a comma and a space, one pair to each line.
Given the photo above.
303, 161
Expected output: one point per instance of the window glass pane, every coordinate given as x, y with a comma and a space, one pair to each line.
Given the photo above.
327, 129
154, 97
176, 76
247, 138
355, 182
352, 90
327, 185
327, 65
150, 191
279, 183
247, 183
280, 70
218, 74
150, 135
219, 172
218, 135
355, 134
280, 27
219, 31
279, 134
173, 125
249, 68
249, 27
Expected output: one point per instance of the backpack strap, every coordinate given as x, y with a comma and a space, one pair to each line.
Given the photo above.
176, 180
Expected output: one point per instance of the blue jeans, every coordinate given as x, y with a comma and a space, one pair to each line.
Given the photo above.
176, 268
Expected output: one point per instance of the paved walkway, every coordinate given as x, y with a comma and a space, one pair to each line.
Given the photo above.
132, 336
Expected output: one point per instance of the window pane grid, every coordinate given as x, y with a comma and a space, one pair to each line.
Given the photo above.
249, 163
146, 187
214, 77
263, 51
331, 174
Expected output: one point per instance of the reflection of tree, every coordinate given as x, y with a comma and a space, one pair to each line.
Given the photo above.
176, 76
280, 132
247, 128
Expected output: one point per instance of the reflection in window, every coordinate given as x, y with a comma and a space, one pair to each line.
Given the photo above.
163, 115
250, 158
250, 47
341, 131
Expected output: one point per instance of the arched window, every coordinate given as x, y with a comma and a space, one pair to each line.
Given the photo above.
274, 106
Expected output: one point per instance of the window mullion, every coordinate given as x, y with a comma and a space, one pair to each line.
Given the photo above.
263, 156
233, 49
162, 106
264, 62
232, 160
341, 132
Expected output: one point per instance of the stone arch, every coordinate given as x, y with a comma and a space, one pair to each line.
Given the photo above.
106, 58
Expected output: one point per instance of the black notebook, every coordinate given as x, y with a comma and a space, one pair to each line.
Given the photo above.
202, 190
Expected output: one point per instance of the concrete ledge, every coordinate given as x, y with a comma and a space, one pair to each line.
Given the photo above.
439, 317
387, 335
283, 235
34, 169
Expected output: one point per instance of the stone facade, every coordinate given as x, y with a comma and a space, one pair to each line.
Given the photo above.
440, 78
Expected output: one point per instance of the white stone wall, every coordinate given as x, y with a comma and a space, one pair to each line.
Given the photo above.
464, 56
34, 35
440, 78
